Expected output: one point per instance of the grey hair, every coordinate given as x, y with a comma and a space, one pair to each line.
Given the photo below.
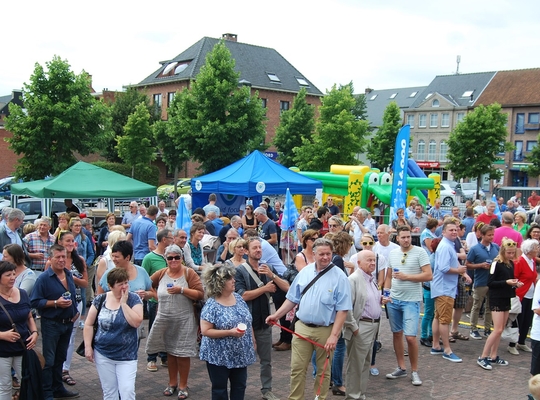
363, 212
385, 227
173, 248
529, 245
236, 218
323, 242
233, 230
260, 210
6, 211
337, 220
215, 277
44, 219
86, 221
15, 214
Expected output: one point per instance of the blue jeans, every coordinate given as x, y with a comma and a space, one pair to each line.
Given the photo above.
219, 377
404, 316
55, 341
152, 311
337, 362
427, 319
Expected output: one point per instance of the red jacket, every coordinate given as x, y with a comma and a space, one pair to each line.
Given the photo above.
523, 272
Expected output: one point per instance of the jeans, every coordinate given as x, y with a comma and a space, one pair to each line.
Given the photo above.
337, 362
263, 338
116, 377
404, 316
219, 376
6, 364
427, 319
152, 312
55, 341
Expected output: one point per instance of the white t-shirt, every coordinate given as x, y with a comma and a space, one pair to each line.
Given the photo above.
415, 258
384, 250
535, 330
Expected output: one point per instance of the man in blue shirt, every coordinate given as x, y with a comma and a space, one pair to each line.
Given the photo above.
58, 312
143, 235
321, 313
130, 216
480, 258
446, 272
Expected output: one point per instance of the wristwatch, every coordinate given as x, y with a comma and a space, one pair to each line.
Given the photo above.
273, 276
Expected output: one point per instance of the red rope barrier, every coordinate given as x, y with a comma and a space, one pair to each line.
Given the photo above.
314, 343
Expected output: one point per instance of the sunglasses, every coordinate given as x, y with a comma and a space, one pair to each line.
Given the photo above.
404, 258
170, 258
312, 238
510, 244
367, 243
332, 226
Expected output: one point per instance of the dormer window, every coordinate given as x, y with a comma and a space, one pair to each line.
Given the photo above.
273, 77
435, 103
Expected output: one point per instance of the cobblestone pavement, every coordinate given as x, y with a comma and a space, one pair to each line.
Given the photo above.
441, 379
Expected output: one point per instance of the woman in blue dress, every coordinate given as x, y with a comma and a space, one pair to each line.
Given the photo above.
227, 343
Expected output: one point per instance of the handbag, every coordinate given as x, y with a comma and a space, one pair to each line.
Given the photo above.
510, 334
515, 305
310, 284
80, 349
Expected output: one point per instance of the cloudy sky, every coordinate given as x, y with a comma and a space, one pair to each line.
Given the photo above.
380, 44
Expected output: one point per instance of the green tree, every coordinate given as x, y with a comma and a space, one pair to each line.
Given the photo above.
339, 135
123, 106
135, 147
474, 143
60, 117
172, 152
295, 124
381, 149
218, 122
534, 159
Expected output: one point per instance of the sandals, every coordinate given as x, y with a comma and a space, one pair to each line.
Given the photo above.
183, 393
68, 379
169, 391
458, 335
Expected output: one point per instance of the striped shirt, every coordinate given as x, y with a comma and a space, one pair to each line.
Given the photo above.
410, 262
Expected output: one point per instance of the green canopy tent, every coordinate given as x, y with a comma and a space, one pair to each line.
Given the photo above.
84, 180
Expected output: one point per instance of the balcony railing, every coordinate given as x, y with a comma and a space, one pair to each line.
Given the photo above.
518, 156
434, 157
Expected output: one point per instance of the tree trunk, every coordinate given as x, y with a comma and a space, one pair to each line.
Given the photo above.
175, 189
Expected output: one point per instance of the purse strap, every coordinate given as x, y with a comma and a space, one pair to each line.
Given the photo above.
310, 284
101, 301
255, 278
13, 325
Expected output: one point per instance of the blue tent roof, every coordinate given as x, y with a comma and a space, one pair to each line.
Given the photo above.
254, 175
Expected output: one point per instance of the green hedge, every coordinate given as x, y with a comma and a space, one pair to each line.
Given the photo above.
147, 173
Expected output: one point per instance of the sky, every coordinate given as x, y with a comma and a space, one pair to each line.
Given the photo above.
380, 44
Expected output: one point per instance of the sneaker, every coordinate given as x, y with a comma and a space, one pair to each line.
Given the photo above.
269, 396
15, 384
164, 363
513, 351
475, 335
452, 357
487, 332
415, 379
524, 347
151, 366
498, 361
406, 353
437, 352
374, 371
426, 342
398, 373
484, 363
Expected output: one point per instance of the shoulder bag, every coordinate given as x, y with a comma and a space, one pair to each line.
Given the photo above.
309, 285
255, 278
80, 349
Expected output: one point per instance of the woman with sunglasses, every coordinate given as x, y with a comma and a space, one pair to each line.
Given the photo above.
502, 287
534, 233
237, 248
248, 220
306, 256
175, 327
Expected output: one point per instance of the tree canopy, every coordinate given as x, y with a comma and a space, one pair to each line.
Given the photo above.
339, 134
381, 149
295, 125
474, 144
60, 117
534, 159
218, 122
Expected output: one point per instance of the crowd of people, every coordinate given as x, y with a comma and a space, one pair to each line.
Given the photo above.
329, 280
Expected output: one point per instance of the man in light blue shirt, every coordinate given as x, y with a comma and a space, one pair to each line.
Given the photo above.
321, 314
446, 271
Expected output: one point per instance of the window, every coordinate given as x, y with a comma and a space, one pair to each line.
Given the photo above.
435, 103
502, 151
520, 123
373, 97
444, 150
264, 102
273, 77
302, 81
393, 95
169, 68
422, 121
533, 118
531, 144
433, 120
170, 98
410, 120
431, 150
180, 68
157, 100
518, 152
445, 120
428, 96
467, 93
283, 106
421, 150
460, 117
413, 94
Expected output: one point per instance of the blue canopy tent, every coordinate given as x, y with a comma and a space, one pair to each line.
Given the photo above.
253, 176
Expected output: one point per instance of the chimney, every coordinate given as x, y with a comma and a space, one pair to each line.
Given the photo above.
232, 37
368, 91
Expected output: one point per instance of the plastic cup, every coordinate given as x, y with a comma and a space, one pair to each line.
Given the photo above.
241, 327
386, 292
169, 285
396, 269
66, 296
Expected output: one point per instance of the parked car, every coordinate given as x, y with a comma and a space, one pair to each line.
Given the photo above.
448, 195
5, 186
31, 207
467, 191
184, 185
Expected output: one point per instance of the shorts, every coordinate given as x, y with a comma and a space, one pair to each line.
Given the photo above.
444, 306
404, 316
461, 296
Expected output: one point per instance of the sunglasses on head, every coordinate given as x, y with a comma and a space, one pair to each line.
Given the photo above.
170, 258
509, 244
370, 243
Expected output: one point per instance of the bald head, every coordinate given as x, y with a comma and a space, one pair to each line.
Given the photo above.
366, 261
